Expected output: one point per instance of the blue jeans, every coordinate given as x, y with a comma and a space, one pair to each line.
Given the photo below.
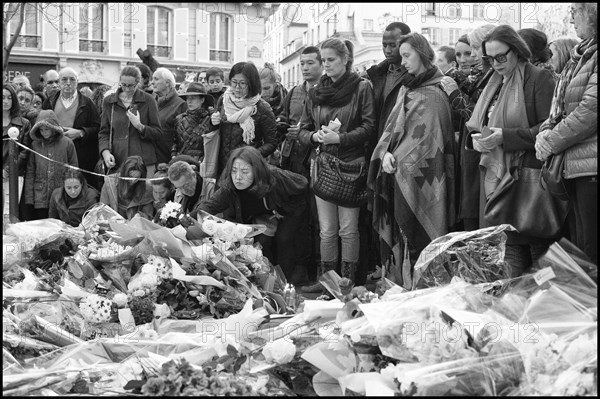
337, 221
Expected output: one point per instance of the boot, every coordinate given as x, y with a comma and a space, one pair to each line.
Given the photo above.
349, 270
322, 268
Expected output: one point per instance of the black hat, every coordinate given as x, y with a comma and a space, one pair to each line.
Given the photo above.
198, 89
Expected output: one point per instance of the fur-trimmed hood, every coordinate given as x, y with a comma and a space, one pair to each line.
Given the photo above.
46, 118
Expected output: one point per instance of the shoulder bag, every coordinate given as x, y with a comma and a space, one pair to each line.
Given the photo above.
521, 201
339, 182
552, 176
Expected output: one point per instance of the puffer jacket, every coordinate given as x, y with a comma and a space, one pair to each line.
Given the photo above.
169, 107
577, 132
357, 118
44, 176
286, 196
127, 140
265, 133
73, 213
191, 125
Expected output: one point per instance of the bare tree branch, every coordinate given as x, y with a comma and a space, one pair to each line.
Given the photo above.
20, 7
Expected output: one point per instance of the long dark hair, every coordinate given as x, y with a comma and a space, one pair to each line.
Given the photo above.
126, 189
15, 108
262, 174
509, 36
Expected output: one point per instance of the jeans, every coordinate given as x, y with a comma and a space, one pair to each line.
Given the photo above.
337, 221
583, 218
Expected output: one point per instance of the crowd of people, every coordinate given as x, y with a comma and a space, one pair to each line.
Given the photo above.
428, 137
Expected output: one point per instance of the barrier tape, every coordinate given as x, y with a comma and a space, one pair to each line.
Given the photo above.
79, 169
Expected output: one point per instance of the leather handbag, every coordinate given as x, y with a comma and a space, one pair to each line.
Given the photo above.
520, 201
552, 176
339, 182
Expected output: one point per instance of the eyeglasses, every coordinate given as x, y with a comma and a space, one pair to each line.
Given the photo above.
52, 82
127, 85
241, 84
501, 58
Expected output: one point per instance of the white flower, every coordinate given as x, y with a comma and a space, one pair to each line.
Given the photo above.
241, 231
170, 210
149, 268
281, 351
95, 308
149, 280
250, 253
204, 252
120, 300
139, 293
225, 230
209, 226
162, 310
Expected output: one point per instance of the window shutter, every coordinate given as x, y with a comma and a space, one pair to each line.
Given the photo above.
138, 29
241, 40
49, 32
202, 35
181, 37
116, 16
71, 21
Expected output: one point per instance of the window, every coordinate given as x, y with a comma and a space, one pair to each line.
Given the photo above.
220, 37
453, 35
478, 10
29, 35
91, 27
454, 10
428, 9
435, 36
159, 27
368, 24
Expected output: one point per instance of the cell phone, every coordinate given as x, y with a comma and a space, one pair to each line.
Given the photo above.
486, 131
133, 108
476, 136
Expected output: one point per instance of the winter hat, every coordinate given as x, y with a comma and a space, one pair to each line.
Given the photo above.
198, 89
46, 118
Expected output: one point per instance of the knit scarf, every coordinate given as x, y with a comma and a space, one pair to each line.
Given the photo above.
240, 110
335, 94
276, 99
509, 112
166, 98
414, 81
579, 56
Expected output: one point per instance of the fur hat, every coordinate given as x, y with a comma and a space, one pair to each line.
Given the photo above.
46, 118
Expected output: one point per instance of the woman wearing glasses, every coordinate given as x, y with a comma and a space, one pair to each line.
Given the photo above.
243, 117
132, 116
513, 105
573, 128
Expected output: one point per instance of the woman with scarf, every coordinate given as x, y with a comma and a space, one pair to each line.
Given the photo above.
69, 202
573, 128
412, 167
127, 191
243, 117
513, 105
340, 94
272, 92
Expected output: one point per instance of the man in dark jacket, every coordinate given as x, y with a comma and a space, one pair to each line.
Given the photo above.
169, 106
188, 184
79, 118
387, 76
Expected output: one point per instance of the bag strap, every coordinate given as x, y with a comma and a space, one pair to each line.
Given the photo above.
110, 131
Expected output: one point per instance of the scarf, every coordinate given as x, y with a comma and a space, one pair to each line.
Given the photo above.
160, 101
275, 101
557, 108
240, 110
509, 112
412, 81
335, 94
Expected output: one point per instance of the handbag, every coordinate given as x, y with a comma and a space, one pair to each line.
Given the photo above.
552, 176
520, 200
339, 182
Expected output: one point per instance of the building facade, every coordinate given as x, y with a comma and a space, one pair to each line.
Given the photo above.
363, 24
99, 39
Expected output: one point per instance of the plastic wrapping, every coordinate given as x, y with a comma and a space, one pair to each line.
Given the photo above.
474, 256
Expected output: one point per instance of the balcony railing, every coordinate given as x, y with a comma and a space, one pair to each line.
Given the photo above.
160, 51
220, 55
94, 46
28, 41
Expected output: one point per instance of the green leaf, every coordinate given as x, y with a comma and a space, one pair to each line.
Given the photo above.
238, 363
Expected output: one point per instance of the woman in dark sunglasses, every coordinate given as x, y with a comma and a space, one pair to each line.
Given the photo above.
505, 121
132, 116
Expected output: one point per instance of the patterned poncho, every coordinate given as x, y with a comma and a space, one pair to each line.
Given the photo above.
415, 204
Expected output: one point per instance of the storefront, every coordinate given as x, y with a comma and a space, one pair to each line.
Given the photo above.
33, 70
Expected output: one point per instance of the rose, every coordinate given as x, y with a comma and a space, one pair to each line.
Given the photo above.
281, 351
226, 230
149, 280
241, 231
149, 268
250, 253
120, 300
209, 226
